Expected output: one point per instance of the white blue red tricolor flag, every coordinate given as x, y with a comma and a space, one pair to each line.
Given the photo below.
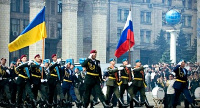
127, 34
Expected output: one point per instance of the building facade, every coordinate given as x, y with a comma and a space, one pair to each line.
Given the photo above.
74, 27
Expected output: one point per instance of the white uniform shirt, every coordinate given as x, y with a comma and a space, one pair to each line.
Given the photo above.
170, 89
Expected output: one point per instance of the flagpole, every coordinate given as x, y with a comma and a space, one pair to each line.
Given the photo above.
42, 50
129, 52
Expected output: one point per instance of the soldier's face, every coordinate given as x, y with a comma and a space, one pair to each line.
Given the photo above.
112, 62
24, 59
37, 59
138, 64
125, 63
3, 61
183, 64
54, 58
94, 55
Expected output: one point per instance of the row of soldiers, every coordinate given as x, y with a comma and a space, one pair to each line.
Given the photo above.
28, 78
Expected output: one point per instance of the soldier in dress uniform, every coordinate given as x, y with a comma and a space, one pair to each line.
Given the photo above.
126, 78
4, 80
93, 79
67, 85
36, 78
139, 83
113, 83
13, 85
36, 71
54, 80
77, 82
23, 80
82, 87
180, 85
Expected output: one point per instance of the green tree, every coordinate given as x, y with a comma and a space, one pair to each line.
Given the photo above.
161, 47
182, 47
166, 57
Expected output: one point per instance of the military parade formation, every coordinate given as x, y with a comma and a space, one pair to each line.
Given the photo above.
35, 83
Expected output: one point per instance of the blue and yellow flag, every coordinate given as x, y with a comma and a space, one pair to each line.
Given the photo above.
34, 32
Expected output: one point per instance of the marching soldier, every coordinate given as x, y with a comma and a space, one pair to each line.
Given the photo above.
36, 75
82, 87
113, 82
126, 79
93, 79
4, 79
139, 83
54, 80
13, 85
180, 85
77, 82
67, 85
23, 80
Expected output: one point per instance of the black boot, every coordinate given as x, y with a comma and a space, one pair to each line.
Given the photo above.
193, 106
122, 104
91, 104
34, 102
131, 104
136, 101
147, 104
106, 106
11, 104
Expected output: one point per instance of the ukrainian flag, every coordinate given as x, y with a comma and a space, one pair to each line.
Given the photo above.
34, 32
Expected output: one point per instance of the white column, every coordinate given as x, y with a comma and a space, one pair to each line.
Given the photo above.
173, 35
4, 29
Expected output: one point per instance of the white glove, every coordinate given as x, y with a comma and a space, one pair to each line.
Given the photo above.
16, 78
120, 68
132, 69
46, 80
129, 83
8, 71
129, 65
61, 84
0, 78
29, 62
31, 85
42, 65
42, 80
90, 56
58, 61
10, 80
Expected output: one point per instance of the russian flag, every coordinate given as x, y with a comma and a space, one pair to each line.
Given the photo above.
126, 40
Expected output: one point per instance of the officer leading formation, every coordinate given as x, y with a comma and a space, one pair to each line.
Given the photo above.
38, 83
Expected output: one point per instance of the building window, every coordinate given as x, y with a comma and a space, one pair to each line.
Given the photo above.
163, 19
183, 2
146, 1
148, 17
25, 23
52, 7
119, 32
183, 21
119, 14
145, 17
189, 4
189, 39
52, 31
189, 21
15, 27
59, 30
148, 36
141, 36
142, 17
26, 7
126, 12
15, 5
169, 2
59, 6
